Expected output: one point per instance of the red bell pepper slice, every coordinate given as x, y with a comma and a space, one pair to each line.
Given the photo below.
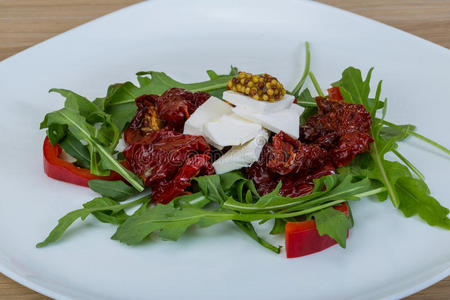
60, 169
302, 238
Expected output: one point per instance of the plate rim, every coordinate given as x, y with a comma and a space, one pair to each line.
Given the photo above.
49, 292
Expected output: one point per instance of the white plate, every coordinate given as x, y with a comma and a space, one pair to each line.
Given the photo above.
388, 256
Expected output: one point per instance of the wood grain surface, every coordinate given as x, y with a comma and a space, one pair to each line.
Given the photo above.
24, 23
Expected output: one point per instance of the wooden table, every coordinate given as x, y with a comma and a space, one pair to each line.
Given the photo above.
24, 23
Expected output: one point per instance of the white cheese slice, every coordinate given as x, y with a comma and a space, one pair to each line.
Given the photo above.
241, 100
287, 120
209, 111
242, 156
230, 130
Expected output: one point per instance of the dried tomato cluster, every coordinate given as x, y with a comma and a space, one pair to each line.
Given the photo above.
171, 109
341, 128
164, 158
328, 140
292, 162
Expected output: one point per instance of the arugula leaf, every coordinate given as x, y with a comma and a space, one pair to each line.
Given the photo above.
72, 146
117, 190
278, 226
95, 206
228, 179
160, 82
409, 194
196, 200
82, 130
76, 102
328, 188
108, 134
353, 89
333, 223
248, 229
211, 187
120, 103
111, 217
213, 75
55, 132
411, 131
416, 199
398, 133
171, 222
309, 103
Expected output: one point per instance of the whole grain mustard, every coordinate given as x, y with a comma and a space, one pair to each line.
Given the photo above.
259, 87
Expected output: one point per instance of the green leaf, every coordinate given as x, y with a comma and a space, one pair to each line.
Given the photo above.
56, 132
120, 103
171, 222
105, 131
196, 200
210, 186
80, 152
309, 103
228, 179
333, 223
76, 103
398, 133
278, 226
117, 190
248, 229
269, 198
160, 82
327, 189
415, 199
212, 75
111, 217
82, 130
65, 222
352, 87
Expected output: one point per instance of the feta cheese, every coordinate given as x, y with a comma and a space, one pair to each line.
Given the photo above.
230, 130
242, 156
209, 111
243, 101
287, 120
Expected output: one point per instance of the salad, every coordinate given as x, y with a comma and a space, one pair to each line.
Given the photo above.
238, 147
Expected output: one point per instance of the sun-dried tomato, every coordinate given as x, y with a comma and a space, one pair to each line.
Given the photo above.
171, 110
328, 140
289, 155
167, 189
166, 160
334, 94
145, 121
342, 128
298, 182
176, 105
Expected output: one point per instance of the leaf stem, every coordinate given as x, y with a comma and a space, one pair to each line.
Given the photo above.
299, 85
409, 164
420, 137
119, 168
297, 205
306, 211
82, 213
386, 181
316, 84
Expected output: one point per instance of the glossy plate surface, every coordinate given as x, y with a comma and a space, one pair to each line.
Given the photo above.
387, 256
